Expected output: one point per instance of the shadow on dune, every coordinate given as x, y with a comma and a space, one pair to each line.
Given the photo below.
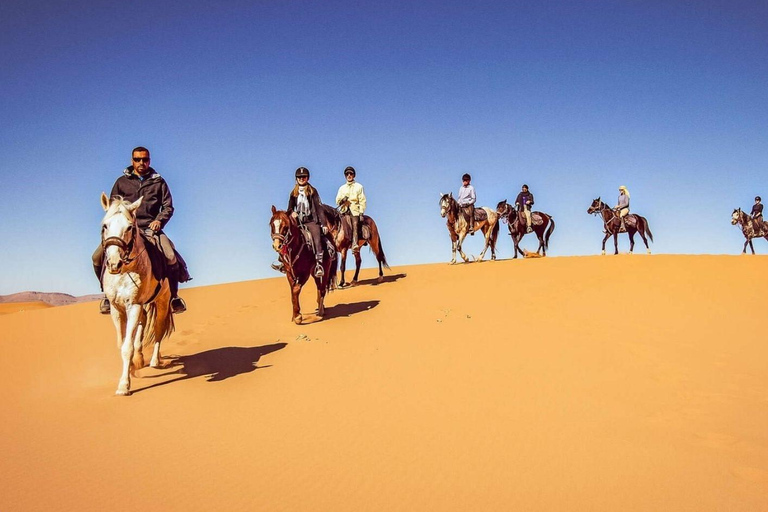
340, 310
385, 279
217, 364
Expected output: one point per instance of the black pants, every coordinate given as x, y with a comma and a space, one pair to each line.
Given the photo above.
317, 238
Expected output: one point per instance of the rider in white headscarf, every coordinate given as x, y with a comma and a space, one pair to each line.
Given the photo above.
623, 206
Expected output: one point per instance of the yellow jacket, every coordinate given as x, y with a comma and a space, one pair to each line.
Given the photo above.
351, 197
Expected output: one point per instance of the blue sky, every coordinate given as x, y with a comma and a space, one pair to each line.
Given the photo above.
572, 98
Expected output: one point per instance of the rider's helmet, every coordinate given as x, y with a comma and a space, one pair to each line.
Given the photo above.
349, 170
758, 198
302, 172
466, 177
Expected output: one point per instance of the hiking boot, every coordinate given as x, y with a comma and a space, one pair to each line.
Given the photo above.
104, 307
278, 265
178, 305
528, 229
319, 271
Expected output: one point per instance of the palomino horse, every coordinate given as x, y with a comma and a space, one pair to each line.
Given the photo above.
542, 224
458, 226
633, 222
340, 228
749, 227
140, 303
299, 261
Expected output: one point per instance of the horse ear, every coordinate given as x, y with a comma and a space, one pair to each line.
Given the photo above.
132, 207
274, 210
104, 201
451, 194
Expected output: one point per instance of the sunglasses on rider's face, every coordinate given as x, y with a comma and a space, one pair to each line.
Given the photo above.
144, 159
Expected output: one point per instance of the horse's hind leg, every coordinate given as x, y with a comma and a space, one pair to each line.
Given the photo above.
320, 297
631, 241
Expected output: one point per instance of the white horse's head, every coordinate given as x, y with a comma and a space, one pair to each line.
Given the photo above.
445, 203
118, 231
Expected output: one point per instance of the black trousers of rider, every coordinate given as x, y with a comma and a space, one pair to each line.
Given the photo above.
317, 239
355, 219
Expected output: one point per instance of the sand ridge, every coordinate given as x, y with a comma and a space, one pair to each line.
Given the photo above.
574, 383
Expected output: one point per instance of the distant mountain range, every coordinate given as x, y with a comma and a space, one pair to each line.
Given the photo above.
54, 299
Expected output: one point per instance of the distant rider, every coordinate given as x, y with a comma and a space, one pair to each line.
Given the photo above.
524, 202
305, 206
623, 206
351, 201
757, 214
467, 200
156, 209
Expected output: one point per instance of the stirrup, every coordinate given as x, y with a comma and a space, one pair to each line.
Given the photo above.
178, 305
104, 307
319, 272
278, 265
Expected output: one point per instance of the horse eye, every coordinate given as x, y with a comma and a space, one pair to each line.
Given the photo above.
130, 228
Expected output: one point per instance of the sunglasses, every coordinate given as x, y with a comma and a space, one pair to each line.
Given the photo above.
144, 159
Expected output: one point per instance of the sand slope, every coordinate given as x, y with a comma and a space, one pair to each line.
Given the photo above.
591, 383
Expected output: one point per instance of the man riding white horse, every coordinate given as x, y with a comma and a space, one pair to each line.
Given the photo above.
139, 180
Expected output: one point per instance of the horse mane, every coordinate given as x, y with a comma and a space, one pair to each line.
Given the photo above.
118, 204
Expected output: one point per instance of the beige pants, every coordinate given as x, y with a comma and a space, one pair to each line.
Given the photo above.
623, 212
527, 212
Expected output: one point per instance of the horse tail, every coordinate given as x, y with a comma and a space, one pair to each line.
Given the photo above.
647, 228
495, 232
549, 231
156, 329
379, 249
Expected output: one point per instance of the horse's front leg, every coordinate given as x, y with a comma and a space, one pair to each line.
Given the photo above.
454, 241
295, 291
458, 247
138, 353
516, 242
358, 263
744, 249
616, 243
605, 239
343, 266
126, 350
751, 246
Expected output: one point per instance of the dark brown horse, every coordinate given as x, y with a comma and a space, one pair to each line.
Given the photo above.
486, 220
750, 227
299, 261
542, 224
340, 228
612, 225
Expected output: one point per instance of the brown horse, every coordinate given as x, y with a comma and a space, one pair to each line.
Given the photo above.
340, 228
542, 224
486, 220
297, 258
749, 227
612, 224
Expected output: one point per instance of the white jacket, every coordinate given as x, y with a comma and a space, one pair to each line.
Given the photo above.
352, 192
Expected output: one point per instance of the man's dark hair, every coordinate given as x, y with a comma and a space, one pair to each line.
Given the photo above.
466, 177
140, 149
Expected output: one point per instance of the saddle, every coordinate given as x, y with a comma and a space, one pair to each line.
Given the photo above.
364, 228
307, 237
160, 267
536, 219
480, 215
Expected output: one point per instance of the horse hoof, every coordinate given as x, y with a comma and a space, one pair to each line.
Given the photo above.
380, 279
121, 392
297, 320
648, 251
603, 253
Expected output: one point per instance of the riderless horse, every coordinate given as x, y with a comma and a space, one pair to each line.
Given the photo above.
750, 227
295, 252
486, 220
140, 298
541, 223
612, 225
340, 228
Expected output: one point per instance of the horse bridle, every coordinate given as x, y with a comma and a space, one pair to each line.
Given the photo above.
125, 247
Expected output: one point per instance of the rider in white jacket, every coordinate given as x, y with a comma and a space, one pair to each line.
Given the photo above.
351, 201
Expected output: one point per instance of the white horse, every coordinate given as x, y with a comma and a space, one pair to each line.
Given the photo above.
140, 303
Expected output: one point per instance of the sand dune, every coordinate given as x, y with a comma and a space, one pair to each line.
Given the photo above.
581, 383
15, 307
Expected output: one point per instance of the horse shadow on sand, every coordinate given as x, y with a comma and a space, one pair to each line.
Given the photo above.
385, 279
216, 364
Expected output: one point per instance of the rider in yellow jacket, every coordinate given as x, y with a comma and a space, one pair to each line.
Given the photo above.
351, 201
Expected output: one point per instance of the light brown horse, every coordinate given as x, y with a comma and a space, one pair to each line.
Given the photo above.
340, 228
543, 226
299, 261
634, 224
749, 227
458, 226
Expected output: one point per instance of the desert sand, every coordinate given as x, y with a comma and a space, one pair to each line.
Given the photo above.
629, 383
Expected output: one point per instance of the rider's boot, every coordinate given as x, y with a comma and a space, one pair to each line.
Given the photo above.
319, 272
178, 305
355, 237
278, 265
104, 307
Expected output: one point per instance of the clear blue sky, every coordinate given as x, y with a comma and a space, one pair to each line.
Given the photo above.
572, 98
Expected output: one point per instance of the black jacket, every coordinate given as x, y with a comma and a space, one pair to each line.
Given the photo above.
757, 209
156, 204
524, 198
316, 213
